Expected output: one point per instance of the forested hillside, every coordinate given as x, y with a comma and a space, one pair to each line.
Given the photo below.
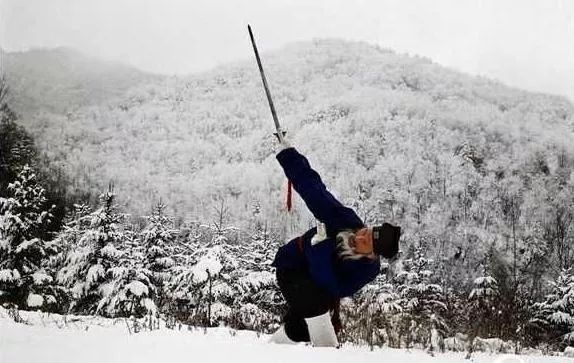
480, 176
403, 127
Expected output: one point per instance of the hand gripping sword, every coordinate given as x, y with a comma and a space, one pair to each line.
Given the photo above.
280, 133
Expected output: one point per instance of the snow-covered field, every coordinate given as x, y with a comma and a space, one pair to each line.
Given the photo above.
67, 340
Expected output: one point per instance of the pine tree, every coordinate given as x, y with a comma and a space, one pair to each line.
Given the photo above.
256, 294
133, 291
158, 238
555, 315
17, 147
483, 307
104, 271
182, 301
68, 237
373, 316
65, 241
423, 301
24, 217
207, 284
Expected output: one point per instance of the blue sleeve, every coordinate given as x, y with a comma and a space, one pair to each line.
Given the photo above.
308, 184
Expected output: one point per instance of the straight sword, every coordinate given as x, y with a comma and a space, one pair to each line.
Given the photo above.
280, 132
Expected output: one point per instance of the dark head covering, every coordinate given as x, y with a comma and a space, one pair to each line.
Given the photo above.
386, 240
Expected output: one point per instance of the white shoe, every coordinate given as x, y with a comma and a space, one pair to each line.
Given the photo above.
321, 331
280, 337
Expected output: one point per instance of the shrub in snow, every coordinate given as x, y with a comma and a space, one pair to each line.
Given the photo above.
257, 292
24, 218
252, 317
491, 345
458, 343
256, 287
129, 293
224, 272
372, 316
35, 300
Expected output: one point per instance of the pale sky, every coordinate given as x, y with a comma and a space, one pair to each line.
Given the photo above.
524, 43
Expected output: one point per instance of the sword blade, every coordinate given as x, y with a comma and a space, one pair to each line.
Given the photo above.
266, 86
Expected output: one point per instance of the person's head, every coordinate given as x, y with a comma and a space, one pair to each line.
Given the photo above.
369, 242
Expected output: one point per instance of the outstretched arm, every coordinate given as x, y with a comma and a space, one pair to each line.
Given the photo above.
307, 182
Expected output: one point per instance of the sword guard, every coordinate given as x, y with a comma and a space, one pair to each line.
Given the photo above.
283, 133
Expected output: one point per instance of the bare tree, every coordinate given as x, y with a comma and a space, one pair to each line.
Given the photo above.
4, 89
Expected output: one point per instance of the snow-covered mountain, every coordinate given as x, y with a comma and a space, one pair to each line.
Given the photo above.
412, 132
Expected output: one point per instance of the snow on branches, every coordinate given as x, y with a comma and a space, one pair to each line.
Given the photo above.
555, 315
24, 217
105, 270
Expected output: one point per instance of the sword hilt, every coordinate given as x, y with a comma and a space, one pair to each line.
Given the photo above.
282, 138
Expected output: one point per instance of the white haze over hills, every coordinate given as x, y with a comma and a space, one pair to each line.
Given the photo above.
62, 79
524, 43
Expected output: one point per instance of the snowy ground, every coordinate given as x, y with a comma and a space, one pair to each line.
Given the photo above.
97, 340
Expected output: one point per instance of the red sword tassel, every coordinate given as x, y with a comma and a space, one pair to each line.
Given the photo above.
289, 195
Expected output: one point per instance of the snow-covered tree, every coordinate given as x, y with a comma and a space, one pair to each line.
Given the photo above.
555, 315
102, 271
16, 145
24, 217
257, 296
483, 306
372, 316
158, 239
131, 291
69, 235
484, 291
227, 277
204, 282
422, 301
